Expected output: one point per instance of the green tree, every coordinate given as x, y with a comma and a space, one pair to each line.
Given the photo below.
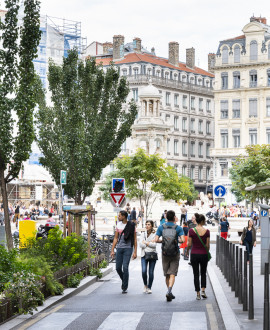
251, 169
17, 93
147, 177
82, 132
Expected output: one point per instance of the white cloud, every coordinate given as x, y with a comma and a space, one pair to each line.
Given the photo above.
193, 23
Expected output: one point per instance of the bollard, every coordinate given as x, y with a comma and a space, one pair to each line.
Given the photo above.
222, 255
103, 245
225, 260
245, 285
240, 300
251, 294
233, 267
266, 298
217, 251
108, 249
230, 264
236, 270
227, 264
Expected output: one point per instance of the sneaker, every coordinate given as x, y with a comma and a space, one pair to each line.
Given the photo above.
169, 296
145, 289
198, 297
204, 295
173, 297
149, 291
124, 291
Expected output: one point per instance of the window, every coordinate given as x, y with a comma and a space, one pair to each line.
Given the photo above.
236, 108
192, 125
192, 172
252, 136
168, 146
236, 138
225, 55
200, 149
207, 173
124, 72
200, 173
253, 50
252, 107
158, 144
135, 94
224, 169
176, 98
268, 106
192, 80
200, 104
224, 109
168, 96
208, 105
176, 121
236, 79
208, 127
236, 54
136, 72
175, 147
268, 135
167, 118
268, 74
192, 101
224, 80
184, 124
192, 149
184, 101
208, 150
166, 75
253, 78
200, 127
149, 71
184, 148
224, 138
184, 170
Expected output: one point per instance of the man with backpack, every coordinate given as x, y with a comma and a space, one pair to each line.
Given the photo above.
171, 234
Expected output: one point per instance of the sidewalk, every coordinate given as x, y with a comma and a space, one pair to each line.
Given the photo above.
232, 302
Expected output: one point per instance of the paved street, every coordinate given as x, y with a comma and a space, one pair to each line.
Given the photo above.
103, 306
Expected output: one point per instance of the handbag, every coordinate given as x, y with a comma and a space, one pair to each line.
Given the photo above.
151, 256
208, 253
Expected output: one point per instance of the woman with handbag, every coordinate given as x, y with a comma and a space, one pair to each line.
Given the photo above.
199, 240
148, 255
248, 238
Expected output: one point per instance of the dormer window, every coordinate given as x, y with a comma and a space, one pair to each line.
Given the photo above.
253, 50
225, 55
237, 54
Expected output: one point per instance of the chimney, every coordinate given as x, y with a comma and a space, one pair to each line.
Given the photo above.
174, 53
153, 52
211, 62
118, 47
137, 45
190, 57
106, 46
258, 19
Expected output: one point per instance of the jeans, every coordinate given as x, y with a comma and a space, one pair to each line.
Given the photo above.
122, 262
152, 264
249, 248
198, 260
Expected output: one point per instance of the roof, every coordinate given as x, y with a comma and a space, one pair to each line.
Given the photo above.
153, 59
236, 38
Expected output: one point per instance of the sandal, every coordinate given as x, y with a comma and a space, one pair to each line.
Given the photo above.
204, 295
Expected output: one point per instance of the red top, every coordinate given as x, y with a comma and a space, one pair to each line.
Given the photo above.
197, 247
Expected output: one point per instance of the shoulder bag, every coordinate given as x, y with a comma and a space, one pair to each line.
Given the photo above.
208, 253
150, 255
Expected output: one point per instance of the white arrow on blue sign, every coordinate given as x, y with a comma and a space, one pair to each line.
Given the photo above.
263, 213
220, 191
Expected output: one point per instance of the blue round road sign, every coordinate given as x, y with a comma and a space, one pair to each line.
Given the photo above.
263, 213
220, 191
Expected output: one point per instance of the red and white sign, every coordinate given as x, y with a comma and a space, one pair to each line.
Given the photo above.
117, 198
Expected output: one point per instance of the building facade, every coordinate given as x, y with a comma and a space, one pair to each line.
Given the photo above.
242, 97
175, 102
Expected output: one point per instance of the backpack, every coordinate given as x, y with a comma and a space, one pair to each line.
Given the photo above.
169, 241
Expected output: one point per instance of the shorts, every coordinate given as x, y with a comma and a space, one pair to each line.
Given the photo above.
170, 264
224, 235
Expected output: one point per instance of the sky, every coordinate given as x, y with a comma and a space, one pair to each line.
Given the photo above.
192, 23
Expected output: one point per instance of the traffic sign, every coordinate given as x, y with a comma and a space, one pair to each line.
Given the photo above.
118, 185
117, 198
63, 177
264, 213
220, 191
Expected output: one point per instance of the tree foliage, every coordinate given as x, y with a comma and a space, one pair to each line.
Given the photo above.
147, 177
251, 169
82, 132
17, 92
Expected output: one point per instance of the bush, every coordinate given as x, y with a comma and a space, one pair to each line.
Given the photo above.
103, 264
74, 280
95, 272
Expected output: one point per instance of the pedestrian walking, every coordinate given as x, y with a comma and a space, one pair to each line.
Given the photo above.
133, 215
149, 255
163, 217
171, 234
126, 239
248, 238
183, 214
199, 243
184, 245
224, 227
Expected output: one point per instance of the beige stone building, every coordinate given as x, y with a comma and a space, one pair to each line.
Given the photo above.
242, 97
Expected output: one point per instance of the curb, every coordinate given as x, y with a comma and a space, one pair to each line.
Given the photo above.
52, 301
228, 315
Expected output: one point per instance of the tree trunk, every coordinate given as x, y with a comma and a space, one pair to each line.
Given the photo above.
6, 211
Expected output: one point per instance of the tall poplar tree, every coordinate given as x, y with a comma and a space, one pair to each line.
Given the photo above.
17, 92
83, 130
